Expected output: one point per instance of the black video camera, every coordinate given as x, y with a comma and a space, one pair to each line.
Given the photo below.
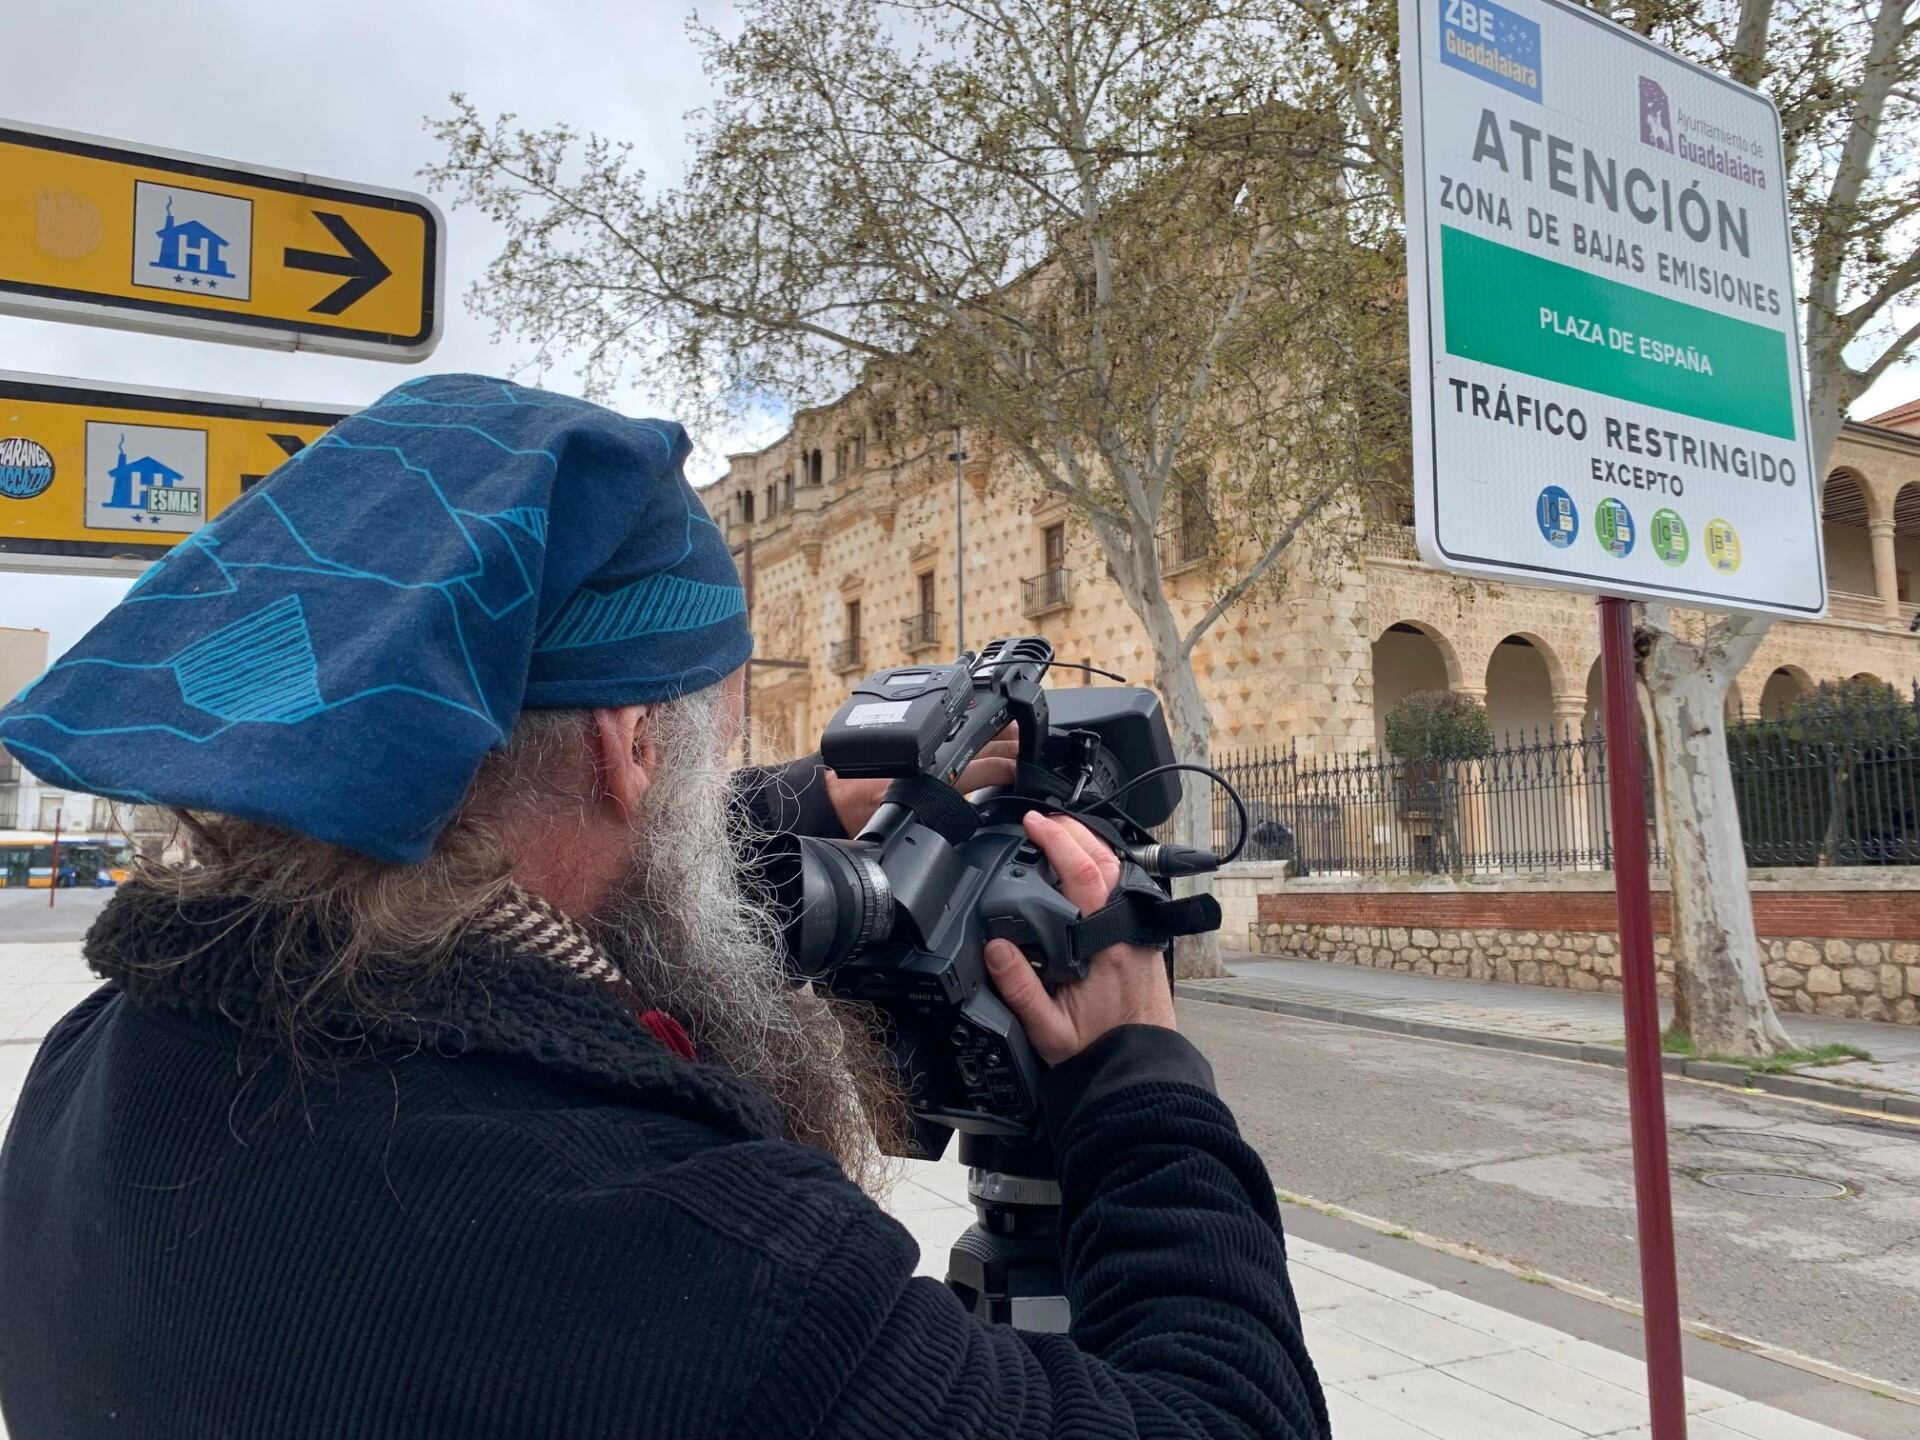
899, 916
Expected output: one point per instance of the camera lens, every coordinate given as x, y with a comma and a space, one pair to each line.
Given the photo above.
845, 904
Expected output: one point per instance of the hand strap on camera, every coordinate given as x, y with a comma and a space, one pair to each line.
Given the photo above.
936, 805
1139, 912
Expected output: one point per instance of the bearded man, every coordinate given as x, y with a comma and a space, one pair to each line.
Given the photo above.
451, 1083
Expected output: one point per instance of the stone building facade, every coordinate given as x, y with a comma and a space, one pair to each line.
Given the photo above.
850, 541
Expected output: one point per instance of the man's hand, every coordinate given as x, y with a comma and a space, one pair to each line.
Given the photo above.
854, 801
1125, 984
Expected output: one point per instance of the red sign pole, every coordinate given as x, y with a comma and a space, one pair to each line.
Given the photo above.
53, 880
1646, 1100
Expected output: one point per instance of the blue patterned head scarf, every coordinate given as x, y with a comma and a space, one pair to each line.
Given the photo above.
337, 652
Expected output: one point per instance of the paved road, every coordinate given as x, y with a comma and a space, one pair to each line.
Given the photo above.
1528, 1159
24, 914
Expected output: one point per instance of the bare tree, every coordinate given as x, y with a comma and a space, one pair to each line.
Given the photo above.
1131, 245
1842, 73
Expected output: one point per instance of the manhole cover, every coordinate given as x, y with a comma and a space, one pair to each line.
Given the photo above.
1774, 1185
1760, 1142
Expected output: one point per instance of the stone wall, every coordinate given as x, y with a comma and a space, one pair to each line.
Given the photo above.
1842, 942
1238, 888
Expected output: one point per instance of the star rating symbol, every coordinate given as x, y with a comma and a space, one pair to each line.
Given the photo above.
196, 281
211, 285
179, 279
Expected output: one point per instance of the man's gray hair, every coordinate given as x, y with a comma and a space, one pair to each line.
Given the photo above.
688, 929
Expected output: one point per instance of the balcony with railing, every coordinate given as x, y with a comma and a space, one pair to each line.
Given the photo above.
1390, 542
1182, 545
148, 820
1046, 592
920, 632
844, 655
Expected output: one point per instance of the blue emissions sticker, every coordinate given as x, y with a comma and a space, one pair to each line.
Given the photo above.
1558, 519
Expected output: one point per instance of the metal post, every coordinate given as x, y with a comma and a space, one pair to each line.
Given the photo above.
959, 457
53, 879
1646, 1100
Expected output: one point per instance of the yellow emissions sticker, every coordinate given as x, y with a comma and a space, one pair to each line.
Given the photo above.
105, 233
97, 478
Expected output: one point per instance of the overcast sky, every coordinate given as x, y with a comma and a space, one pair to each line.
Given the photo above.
340, 90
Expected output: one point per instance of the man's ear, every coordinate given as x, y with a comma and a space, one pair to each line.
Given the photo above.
624, 756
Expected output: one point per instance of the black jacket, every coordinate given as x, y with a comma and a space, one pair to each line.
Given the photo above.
521, 1215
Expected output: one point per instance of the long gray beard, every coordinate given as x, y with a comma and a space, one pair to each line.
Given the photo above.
693, 939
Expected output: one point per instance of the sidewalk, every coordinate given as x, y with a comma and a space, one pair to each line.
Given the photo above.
1404, 1357
1564, 1023
1405, 1350
39, 982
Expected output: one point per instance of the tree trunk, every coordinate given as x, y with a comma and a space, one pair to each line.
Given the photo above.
1720, 988
1838, 803
1195, 957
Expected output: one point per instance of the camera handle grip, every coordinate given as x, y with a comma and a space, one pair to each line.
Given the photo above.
1139, 912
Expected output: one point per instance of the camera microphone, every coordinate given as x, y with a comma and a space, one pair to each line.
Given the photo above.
1169, 861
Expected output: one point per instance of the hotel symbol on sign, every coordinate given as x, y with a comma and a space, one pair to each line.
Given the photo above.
145, 477
192, 240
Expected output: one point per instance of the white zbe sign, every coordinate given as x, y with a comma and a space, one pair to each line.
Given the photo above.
1606, 362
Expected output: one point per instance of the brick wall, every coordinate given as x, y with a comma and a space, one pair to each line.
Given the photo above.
1840, 914
1837, 942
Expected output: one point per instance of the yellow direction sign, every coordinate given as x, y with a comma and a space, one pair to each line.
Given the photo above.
107, 234
100, 479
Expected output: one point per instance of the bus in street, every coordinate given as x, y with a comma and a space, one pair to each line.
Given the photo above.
26, 860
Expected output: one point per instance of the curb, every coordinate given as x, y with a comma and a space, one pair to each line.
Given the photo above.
1794, 1087
1731, 1339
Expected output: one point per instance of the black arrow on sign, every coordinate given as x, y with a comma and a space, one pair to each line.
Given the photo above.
363, 268
292, 444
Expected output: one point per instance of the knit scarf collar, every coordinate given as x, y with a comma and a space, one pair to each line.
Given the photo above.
526, 981
523, 924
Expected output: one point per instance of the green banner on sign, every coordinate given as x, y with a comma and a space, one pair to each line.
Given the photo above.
1509, 308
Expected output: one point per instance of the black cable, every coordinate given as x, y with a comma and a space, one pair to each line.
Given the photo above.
1051, 665
1239, 805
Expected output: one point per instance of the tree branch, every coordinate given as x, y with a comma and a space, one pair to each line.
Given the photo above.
1232, 594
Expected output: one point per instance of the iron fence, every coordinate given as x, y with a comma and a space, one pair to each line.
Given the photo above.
1822, 787
1831, 786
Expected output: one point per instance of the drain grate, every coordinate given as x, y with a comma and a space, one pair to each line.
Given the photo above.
1775, 1185
1759, 1142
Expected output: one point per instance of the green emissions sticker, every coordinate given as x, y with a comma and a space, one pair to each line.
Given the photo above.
1510, 308
1613, 528
1670, 537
